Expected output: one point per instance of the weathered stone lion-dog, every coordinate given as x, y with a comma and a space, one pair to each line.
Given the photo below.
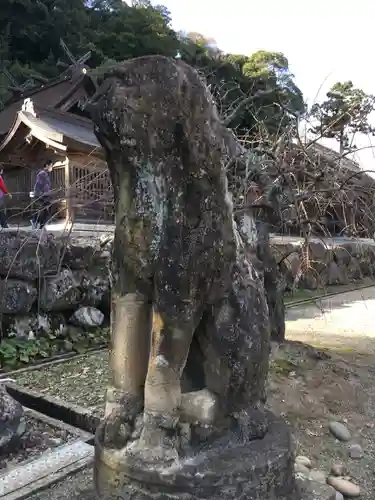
186, 305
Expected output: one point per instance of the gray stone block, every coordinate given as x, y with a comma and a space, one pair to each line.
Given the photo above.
228, 468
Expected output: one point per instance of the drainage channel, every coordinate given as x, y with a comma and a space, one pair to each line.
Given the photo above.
73, 415
47, 465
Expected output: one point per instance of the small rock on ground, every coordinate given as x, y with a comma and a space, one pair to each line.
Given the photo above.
11, 418
87, 316
318, 476
338, 469
311, 490
348, 489
339, 496
355, 451
305, 461
340, 431
21, 429
299, 468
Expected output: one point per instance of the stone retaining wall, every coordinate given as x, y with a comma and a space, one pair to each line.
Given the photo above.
320, 264
47, 282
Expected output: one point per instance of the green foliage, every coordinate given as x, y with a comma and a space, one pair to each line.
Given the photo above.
33, 28
263, 64
113, 30
283, 101
130, 31
257, 93
31, 32
344, 113
16, 352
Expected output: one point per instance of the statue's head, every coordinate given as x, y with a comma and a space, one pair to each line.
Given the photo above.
146, 106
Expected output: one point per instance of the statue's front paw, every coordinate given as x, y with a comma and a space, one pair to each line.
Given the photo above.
116, 432
119, 423
157, 445
157, 457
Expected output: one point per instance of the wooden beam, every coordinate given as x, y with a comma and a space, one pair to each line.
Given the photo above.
67, 51
9, 76
28, 84
21, 88
84, 58
15, 90
40, 78
68, 193
61, 64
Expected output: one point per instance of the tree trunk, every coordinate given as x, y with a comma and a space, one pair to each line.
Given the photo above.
272, 284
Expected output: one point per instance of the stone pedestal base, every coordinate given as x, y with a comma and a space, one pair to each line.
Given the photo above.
227, 469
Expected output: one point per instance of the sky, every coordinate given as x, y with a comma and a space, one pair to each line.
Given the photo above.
324, 41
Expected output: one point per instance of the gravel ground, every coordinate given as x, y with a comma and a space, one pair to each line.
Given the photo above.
80, 381
38, 437
310, 392
308, 386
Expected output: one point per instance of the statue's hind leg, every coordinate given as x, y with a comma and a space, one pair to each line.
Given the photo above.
171, 338
130, 338
175, 306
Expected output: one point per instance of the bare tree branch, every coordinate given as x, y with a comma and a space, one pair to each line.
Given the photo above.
245, 102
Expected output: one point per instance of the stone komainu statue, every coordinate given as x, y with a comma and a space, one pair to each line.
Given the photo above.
190, 326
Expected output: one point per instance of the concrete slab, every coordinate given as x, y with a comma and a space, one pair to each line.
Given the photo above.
61, 228
328, 241
25, 479
74, 487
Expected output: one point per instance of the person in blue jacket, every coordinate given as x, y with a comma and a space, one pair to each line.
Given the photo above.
42, 194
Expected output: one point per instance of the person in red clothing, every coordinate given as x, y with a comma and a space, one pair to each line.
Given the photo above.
3, 192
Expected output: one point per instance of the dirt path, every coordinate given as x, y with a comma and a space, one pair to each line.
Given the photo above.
344, 322
335, 380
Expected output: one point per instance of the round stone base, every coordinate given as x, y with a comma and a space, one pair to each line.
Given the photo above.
227, 469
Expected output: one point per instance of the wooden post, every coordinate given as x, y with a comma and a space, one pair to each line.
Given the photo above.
68, 193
